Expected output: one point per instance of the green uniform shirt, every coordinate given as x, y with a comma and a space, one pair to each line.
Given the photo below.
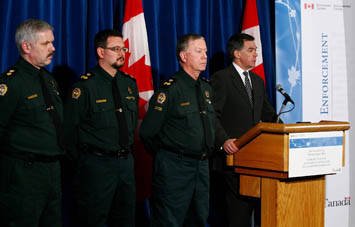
25, 124
90, 116
173, 119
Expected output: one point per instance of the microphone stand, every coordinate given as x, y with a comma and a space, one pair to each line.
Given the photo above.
280, 112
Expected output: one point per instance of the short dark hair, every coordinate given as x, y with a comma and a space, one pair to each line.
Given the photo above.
101, 37
236, 42
184, 41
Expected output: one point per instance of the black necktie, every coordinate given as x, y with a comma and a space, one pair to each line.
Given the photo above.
248, 87
122, 124
203, 112
52, 110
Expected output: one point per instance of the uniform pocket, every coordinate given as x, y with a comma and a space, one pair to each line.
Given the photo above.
190, 114
103, 115
34, 109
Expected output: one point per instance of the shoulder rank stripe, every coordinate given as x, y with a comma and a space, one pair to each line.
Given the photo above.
128, 75
206, 80
86, 76
10, 72
169, 82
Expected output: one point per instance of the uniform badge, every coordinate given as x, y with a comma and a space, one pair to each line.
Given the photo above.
207, 93
3, 89
161, 98
76, 93
129, 90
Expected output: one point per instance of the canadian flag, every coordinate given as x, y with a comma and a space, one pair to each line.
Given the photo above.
309, 6
137, 64
251, 26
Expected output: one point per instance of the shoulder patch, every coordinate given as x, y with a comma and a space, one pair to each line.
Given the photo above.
169, 82
76, 93
161, 98
3, 89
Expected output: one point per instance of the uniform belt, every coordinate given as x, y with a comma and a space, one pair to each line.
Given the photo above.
123, 153
31, 157
203, 156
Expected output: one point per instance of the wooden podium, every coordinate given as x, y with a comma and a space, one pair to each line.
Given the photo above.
263, 164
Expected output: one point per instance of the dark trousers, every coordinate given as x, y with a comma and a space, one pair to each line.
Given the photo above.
231, 208
30, 193
106, 191
180, 191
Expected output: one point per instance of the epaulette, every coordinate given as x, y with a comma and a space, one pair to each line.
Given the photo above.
86, 76
204, 79
169, 82
128, 75
10, 73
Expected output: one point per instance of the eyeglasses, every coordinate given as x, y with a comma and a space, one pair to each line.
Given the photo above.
117, 49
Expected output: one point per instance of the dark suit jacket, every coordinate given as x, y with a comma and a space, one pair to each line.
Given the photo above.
234, 113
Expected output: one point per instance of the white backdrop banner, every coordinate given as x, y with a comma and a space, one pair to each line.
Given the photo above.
311, 66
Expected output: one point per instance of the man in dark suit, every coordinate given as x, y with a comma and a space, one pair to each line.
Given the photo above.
240, 102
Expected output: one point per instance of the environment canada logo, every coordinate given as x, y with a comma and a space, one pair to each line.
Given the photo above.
337, 203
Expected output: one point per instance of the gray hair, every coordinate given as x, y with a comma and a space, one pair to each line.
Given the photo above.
184, 41
27, 31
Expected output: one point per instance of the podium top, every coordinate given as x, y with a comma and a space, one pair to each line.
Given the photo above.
291, 128
264, 149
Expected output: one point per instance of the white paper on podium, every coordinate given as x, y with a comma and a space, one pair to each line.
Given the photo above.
315, 153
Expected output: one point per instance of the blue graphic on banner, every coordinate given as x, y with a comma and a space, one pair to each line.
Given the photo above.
316, 142
289, 56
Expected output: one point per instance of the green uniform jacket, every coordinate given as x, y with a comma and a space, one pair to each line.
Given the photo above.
173, 119
90, 117
25, 124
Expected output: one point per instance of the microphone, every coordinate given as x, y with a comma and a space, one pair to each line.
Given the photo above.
287, 97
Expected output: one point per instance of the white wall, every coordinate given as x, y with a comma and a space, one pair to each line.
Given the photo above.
350, 60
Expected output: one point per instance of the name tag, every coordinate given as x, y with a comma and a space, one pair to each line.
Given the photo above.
158, 108
130, 97
101, 100
185, 104
32, 96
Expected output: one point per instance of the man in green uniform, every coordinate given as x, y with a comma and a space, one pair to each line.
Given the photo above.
178, 129
30, 122
101, 117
